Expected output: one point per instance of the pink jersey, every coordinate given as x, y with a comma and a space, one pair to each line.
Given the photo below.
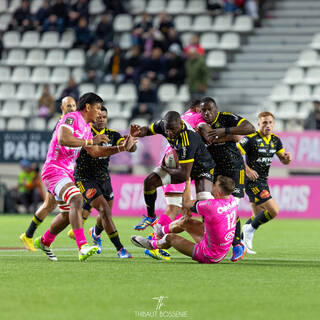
62, 157
220, 217
192, 118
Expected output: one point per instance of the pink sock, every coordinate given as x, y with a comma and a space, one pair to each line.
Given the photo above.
165, 229
80, 237
164, 219
48, 238
154, 244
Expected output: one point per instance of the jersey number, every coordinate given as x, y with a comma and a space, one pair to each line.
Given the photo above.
232, 220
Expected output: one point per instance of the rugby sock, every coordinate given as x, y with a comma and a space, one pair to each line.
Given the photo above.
35, 223
159, 242
165, 229
154, 244
80, 237
114, 238
164, 220
98, 230
48, 238
261, 218
150, 199
237, 234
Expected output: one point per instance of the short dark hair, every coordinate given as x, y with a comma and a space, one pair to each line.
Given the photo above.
208, 100
172, 116
193, 103
90, 98
265, 114
226, 185
103, 108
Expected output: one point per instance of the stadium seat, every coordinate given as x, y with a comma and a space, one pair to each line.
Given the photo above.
77, 74
55, 57
106, 91
5, 74
196, 7
155, 7
209, 40
4, 20
96, 7
137, 6
3, 6
86, 87
30, 39
118, 124
40, 88
20, 74
26, 110
176, 106
287, 110
122, 22
7, 91
316, 93
183, 23
142, 122
125, 41
301, 92
222, 23
114, 110
35, 57
293, 126
315, 44
14, 4
49, 40
216, 59
60, 75
59, 90
294, 75
175, 6
11, 39
75, 58
126, 109
313, 76
37, 124
304, 110
167, 92
186, 38
280, 93
230, 41
2, 124
40, 75
16, 124
16, 57
126, 92
52, 124
26, 91
243, 24
10, 108
202, 23
279, 126
308, 58
35, 5
184, 94
67, 39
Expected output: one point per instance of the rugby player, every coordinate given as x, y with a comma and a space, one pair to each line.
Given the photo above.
259, 149
68, 104
213, 237
228, 159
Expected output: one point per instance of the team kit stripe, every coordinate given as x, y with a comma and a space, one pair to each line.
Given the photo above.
186, 161
152, 129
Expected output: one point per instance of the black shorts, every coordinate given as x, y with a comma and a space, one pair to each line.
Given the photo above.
257, 191
238, 176
92, 189
198, 174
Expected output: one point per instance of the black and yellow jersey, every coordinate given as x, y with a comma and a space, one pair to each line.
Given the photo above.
189, 147
259, 151
91, 168
226, 155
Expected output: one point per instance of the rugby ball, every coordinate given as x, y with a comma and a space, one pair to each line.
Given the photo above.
171, 159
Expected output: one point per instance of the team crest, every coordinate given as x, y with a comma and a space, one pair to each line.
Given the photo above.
69, 121
272, 145
264, 194
90, 193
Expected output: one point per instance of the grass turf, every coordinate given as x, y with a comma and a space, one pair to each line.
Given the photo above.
280, 282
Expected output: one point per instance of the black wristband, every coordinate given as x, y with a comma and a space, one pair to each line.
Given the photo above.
226, 130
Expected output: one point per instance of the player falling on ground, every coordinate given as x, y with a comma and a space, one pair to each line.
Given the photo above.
93, 179
213, 237
72, 133
228, 159
68, 104
193, 158
259, 149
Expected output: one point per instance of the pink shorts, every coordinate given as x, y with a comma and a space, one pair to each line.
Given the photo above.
199, 255
51, 176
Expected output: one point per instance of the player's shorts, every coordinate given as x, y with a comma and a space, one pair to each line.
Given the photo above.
92, 189
52, 176
238, 176
173, 188
201, 173
257, 191
199, 255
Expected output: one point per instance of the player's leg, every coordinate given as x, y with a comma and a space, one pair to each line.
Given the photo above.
85, 215
47, 207
179, 243
151, 183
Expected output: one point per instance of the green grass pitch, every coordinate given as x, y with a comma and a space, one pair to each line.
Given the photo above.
281, 282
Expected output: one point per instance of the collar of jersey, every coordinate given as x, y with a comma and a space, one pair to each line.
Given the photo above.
265, 139
215, 120
96, 131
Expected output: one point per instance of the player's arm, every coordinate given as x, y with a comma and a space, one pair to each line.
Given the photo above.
154, 128
187, 202
180, 174
285, 157
206, 132
67, 139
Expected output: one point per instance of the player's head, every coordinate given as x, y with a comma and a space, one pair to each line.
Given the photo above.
102, 120
68, 104
90, 103
209, 109
265, 122
194, 105
172, 124
223, 187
